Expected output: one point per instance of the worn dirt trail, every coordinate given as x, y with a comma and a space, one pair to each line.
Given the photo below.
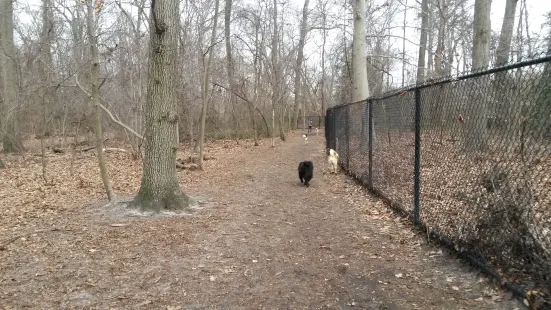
262, 241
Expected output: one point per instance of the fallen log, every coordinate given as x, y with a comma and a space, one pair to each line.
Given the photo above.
112, 150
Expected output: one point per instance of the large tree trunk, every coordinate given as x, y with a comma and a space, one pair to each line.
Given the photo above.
94, 74
423, 41
206, 83
10, 81
430, 43
482, 33
506, 36
298, 66
359, 63
502, 58
361, 88
440, 53
476, 124
159, 188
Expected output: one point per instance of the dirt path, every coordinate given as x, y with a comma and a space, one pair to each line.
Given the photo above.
263, 241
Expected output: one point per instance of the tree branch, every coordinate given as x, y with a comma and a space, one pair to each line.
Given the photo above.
113, 118
247, 101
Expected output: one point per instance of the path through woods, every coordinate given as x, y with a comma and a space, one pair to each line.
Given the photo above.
261, 241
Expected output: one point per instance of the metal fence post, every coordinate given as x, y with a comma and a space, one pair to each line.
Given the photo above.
347, 133
328, 125
417, 161
370, 142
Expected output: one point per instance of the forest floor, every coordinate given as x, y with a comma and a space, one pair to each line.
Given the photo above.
260, 241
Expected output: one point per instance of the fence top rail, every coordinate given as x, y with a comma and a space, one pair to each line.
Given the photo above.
431, 83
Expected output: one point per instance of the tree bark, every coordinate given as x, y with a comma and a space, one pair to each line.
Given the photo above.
257, 71
359, 62
94, 74
361, 87
206, 84
506, 35
502, 58
404, 44
159, 188
229, 64
13, 142
274, 70
46, 41
423, 42
476, 138
298, 67
323, 74
430, 42
440, 52
276, 90
482, 33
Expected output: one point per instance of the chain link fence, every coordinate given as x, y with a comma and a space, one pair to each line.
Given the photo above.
468, 160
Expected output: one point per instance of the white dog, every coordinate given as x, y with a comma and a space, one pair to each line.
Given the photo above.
333, 160
305, 138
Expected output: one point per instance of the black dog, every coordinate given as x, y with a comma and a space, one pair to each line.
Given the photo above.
305, 172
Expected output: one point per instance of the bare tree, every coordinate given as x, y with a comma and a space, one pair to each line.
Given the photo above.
323, 12
131, 73
421, 68
506, 35
206, 82
502, 58
229, 61
94, 93
361, 87
477, 132
274, 65
159, 188
10, 78
45, 69
298, 66
404, 44
482, 33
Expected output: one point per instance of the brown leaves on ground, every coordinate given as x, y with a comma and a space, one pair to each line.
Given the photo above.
263, 240
496, 203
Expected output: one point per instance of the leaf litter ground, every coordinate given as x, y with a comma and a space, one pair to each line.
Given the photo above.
260, 241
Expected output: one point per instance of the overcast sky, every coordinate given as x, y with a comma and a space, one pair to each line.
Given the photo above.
536, 11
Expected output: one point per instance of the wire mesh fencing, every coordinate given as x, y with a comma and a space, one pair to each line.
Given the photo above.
468, 159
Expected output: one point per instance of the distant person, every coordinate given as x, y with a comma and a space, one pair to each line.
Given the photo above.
309, 126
